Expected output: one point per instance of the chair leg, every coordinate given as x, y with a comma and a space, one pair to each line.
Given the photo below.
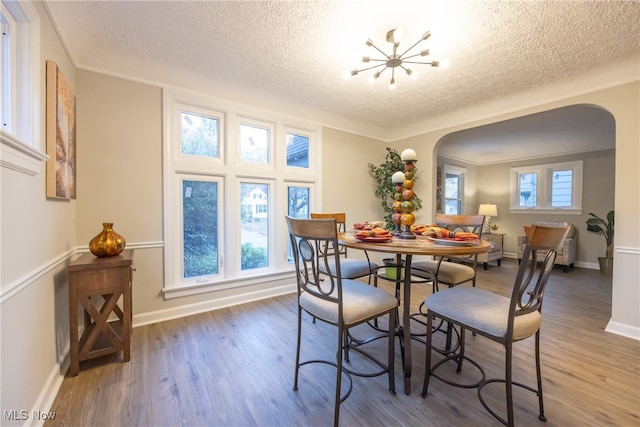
375, 285
427, 362
345, 344
509, 382
336, 411
539, 375
462, 346
295, 377
447, 345
391, 356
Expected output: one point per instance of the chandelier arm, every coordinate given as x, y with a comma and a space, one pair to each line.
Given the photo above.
412, 56
371, 68
416, 62
383, 70
378, 49
414, 45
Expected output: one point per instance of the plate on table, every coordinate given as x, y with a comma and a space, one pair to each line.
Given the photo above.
374, 239
453, 242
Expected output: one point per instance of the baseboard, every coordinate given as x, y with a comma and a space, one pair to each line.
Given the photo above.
580, 264
622, 329
49, 392
213, 304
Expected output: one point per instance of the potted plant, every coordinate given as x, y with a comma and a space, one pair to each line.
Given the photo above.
599, 225
384, 186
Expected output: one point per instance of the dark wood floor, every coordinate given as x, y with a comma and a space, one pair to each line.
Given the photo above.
234, 367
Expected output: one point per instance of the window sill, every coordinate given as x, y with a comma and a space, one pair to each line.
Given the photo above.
18, 156
277, 279
538, 211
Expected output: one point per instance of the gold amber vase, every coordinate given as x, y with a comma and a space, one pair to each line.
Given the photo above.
107, 242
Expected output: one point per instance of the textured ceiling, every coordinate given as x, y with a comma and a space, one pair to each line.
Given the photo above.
290, 55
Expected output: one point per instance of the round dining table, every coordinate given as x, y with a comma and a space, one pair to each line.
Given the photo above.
402, 247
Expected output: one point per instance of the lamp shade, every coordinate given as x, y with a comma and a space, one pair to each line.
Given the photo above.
488, 209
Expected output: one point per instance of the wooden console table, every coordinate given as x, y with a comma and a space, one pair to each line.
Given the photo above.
97, 284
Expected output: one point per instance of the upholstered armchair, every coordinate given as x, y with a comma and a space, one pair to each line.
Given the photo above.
566, 255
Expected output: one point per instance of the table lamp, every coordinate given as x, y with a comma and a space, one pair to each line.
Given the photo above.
488, 210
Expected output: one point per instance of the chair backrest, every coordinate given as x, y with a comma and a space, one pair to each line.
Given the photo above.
341, 219
533, 274
307, 235
466, 223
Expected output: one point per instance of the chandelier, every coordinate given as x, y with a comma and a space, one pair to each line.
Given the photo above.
394, 59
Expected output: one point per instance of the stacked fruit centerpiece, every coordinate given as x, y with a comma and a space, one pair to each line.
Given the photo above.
407, 206
398, 180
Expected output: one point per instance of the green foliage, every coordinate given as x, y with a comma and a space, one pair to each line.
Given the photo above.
253, 257
599, 225
385, 188
200, 220
199, 135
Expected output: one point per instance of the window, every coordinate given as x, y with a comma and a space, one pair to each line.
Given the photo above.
200, 134
547, 188
255, 142
297, 150
453, 190
19, 87
229, 181
297, 207
200, 223
254, 230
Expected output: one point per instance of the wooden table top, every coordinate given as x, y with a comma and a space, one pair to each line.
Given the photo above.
421, 245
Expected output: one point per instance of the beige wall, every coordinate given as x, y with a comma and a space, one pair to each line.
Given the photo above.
623, 102
492, 185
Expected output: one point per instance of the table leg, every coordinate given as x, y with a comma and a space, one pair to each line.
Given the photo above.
406, 324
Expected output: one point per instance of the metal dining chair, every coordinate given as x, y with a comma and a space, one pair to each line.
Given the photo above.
351, 268
505, 320
459, 270
450, 272
343, 303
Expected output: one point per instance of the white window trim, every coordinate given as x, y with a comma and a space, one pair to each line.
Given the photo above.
22, 146
231, 170
543, 193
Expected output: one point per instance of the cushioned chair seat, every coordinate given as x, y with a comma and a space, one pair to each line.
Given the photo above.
351, 268
359, 301
486, 311
449, 273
